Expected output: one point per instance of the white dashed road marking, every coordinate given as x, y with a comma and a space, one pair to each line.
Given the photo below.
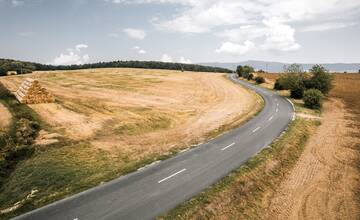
256, 129
228, 146
172, 175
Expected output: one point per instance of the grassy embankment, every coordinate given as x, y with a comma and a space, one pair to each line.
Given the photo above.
244, 193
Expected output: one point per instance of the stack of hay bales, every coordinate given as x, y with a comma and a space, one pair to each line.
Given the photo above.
30, 92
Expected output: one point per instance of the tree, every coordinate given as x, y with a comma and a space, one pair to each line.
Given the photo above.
250, 77
294, 68
297, 91
321, 79
244, 71
3, 71
259, 79
278, 85
313, 98
239, 70
294, 80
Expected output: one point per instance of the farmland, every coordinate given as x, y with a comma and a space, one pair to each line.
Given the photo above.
108, 122
325, 181
311, 172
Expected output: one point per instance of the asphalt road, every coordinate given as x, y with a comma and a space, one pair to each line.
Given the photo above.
154, 190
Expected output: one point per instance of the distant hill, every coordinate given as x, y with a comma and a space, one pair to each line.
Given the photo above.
279, 67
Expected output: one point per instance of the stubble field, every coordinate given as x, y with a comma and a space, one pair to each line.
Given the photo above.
109, 122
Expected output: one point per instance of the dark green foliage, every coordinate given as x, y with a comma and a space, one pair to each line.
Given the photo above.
13, 65
250, 76
278, 85
297, 92
313, 98
321, 79
259, 79
3, 71
26, 67
297, 82
244, 71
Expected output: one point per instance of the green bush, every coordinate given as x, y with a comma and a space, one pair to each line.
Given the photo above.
313, 98
278, 85
3, 71
250, 77
297, 92
259, 79
244, 71
320, 80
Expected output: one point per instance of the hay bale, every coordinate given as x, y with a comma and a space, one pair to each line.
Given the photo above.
31, 92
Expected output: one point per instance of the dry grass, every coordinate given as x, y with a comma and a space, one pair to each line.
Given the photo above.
5, 118
321, 182
114, 121
325, 182
241, 195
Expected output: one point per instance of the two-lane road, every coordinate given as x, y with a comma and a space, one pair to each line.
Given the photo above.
154, 190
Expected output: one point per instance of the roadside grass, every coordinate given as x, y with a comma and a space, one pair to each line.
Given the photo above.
242, 193
62, 171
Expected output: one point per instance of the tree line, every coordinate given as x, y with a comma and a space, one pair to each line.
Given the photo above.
22, 67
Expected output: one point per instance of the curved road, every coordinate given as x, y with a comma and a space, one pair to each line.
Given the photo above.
157, 188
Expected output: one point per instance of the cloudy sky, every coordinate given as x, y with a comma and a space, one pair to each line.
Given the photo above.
188, 31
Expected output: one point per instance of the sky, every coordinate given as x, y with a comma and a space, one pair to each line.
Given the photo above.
188, 31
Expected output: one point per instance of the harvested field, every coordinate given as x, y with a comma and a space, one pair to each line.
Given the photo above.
109, 122
140, 111
325, 182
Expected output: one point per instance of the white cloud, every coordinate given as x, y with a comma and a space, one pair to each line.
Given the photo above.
326, 26
184, 60
236, 49
81, 46
135, 33
142, 52
166, 58
279, 36
73, 56
242, 20
139, 50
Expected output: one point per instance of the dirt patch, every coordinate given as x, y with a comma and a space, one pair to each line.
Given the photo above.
5, 118
324, 182
308, 116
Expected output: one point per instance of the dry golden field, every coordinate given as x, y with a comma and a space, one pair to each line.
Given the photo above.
108, 122
325, 182
139, 112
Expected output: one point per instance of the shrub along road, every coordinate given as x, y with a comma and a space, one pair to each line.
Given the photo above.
157, 188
